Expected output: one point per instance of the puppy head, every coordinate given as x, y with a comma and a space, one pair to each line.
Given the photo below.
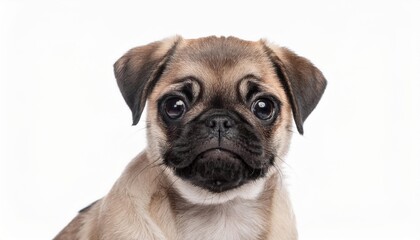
220, 110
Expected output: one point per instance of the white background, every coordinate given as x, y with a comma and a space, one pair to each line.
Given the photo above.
66, 132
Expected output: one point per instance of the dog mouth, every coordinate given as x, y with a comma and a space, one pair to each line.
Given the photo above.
218, 170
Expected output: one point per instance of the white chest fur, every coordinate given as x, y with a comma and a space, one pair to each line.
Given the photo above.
234, 220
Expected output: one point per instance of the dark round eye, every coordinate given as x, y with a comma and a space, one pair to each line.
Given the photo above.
263, 108
174, 107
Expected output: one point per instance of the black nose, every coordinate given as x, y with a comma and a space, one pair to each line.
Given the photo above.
220, 123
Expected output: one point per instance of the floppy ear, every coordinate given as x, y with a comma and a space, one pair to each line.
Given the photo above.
139, 69
303, 82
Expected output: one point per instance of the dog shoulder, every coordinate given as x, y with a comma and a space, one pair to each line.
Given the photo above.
81, 226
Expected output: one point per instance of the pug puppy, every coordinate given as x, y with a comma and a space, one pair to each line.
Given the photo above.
219, 124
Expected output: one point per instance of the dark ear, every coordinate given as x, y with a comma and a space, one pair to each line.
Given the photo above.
139, 69
303, 82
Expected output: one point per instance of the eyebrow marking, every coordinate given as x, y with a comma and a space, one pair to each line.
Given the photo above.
189, 86
250, 76
253, 89
188, 91
248, 86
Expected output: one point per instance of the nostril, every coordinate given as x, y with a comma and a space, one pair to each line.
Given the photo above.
227, 124
211, 123
220, 123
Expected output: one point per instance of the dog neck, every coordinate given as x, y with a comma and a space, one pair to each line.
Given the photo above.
235, 219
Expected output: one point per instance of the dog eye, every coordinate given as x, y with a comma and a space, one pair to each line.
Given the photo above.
174, 107
263, 108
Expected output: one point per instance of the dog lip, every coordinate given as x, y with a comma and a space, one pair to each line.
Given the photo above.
199, 155
235, 155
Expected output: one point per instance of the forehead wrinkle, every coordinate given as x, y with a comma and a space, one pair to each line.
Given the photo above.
225, 84
220, 63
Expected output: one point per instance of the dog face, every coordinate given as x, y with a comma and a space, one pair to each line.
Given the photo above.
219, 110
